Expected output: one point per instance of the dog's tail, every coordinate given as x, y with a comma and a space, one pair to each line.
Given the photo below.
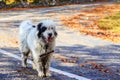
25, 26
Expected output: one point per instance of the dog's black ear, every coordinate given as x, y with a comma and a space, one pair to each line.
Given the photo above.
39, 26
39, 30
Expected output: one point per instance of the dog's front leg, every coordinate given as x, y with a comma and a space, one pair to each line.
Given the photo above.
47, 66
47, 69
40, 70
39, 66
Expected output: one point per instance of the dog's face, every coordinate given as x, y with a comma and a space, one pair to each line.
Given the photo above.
46, 30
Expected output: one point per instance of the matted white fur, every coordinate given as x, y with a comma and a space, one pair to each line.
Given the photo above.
37, 40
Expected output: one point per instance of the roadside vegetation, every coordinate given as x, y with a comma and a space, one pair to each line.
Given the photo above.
36, 3
100, 21
111, 23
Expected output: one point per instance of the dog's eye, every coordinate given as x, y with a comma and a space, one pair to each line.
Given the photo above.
44, 28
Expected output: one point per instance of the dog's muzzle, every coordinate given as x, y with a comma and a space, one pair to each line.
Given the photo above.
47, 40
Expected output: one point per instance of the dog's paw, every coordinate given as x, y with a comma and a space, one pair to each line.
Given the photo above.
41, 74
48, 74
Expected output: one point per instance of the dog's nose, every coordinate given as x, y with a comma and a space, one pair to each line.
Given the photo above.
50, 34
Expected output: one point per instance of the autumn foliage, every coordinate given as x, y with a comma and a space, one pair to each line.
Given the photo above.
87, 21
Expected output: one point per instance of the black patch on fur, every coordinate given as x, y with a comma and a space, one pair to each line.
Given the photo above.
41, 29
39, 26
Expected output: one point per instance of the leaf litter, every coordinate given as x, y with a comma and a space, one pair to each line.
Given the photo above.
87, 21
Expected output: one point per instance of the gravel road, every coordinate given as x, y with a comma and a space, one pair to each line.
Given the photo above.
91, 57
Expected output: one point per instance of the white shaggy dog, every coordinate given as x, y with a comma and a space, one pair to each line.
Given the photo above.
40, 41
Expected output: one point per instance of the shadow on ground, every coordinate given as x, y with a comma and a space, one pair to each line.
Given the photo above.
11, 69
108, 55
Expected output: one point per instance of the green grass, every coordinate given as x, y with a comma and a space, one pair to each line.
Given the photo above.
111, 23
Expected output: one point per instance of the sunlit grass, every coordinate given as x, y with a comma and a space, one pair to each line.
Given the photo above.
111, 23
